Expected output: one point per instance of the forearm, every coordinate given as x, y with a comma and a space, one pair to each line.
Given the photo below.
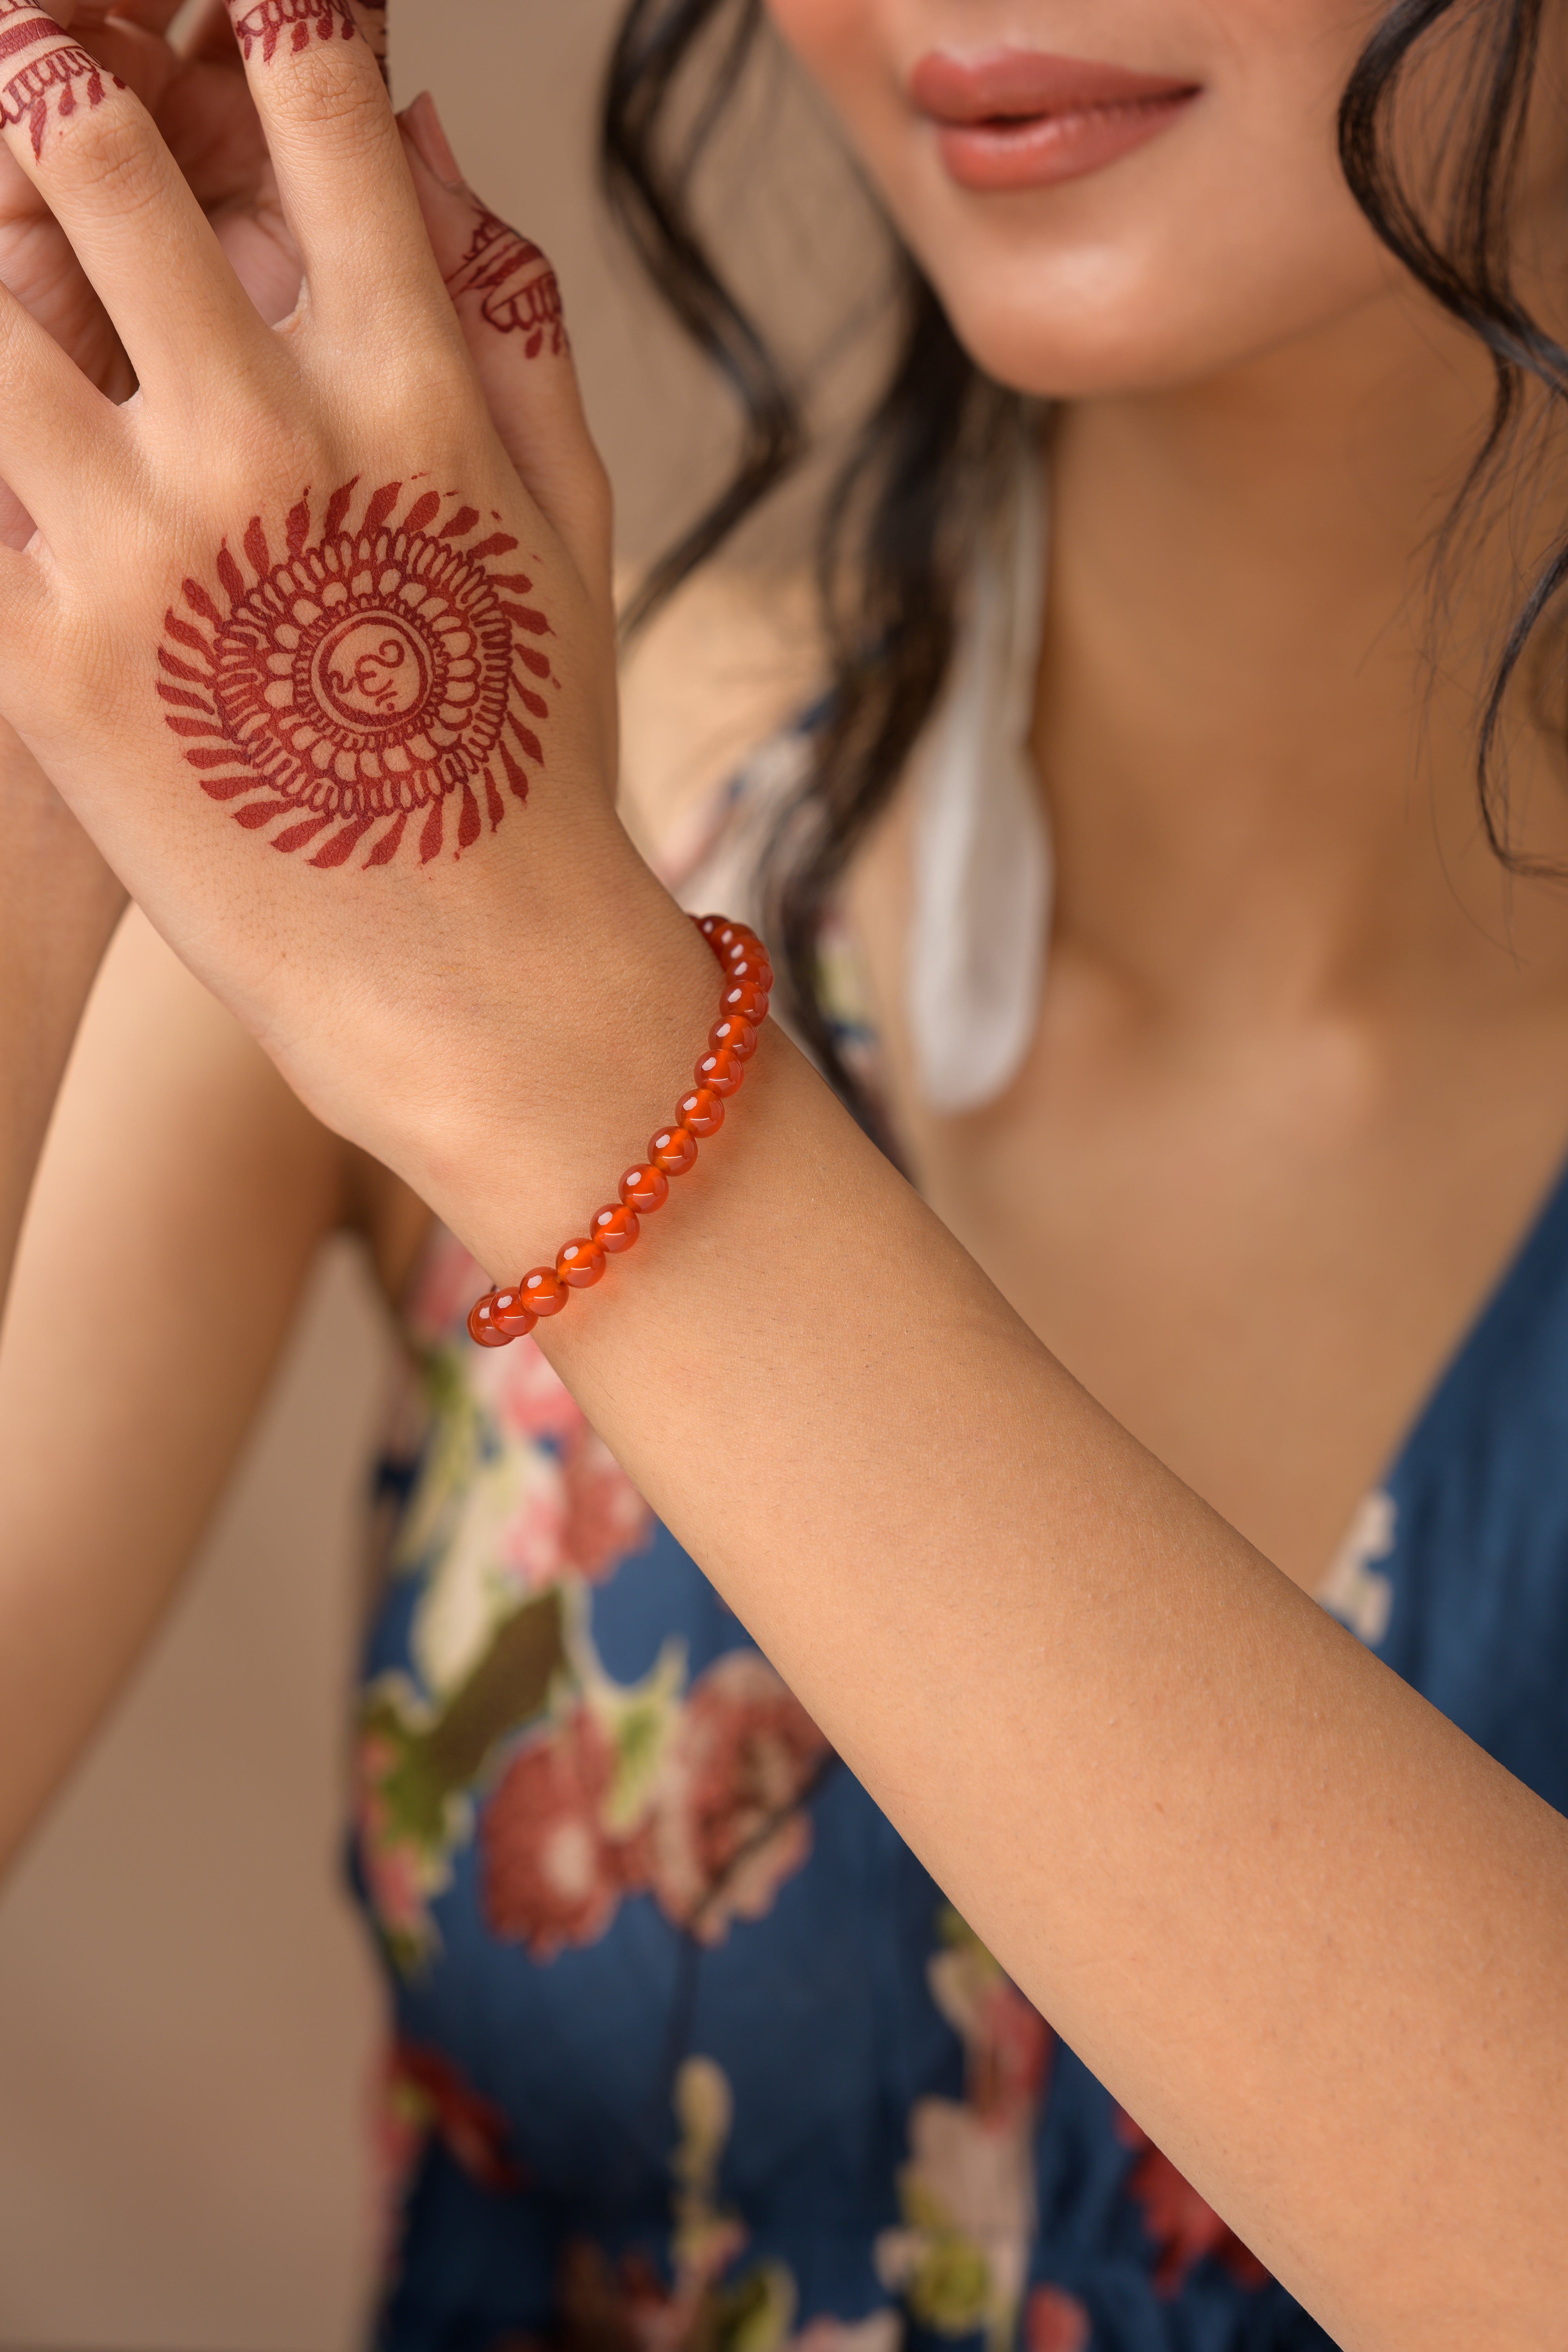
59, 906
183, 1183
1310, 1935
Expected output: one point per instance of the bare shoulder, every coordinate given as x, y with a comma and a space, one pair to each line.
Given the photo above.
722, 669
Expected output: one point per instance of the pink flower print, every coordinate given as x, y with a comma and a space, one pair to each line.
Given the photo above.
1009, 2056
883, 2331
1055, 2321
528, 1398
726, 1829
531, 1540
446, 1281
1182, 2227
606, 1517
550, 1875
429, 2091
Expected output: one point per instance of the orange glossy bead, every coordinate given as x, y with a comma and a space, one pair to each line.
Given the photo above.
700, 1112
511, 1315
615, 1229
581, 1263
543, 1292
744, 1001
673, 1148
710, 926
732, 939
754, 968
482, 1325
644, 1189
722, 1072
739, 1036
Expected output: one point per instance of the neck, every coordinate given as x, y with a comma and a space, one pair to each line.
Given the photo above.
1255, 746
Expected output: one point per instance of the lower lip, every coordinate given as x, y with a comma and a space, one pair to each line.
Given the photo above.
1042, 151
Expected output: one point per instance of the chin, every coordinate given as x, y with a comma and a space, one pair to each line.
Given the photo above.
1090, 319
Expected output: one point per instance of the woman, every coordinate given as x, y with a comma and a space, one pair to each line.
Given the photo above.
1252, 1165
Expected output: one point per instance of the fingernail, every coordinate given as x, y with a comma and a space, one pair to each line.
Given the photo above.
423, 125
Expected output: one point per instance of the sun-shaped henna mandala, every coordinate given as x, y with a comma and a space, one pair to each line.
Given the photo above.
375, 674
268, 21
521, 296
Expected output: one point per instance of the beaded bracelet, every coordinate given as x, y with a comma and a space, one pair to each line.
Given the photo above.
503, 1315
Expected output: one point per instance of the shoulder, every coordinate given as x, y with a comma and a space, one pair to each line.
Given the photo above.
728, 666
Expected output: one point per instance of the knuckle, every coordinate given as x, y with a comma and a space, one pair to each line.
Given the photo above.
349, 107
110, 154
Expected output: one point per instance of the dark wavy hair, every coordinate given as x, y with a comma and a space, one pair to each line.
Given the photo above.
896, 531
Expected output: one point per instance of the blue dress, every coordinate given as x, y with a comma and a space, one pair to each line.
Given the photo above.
690, 2051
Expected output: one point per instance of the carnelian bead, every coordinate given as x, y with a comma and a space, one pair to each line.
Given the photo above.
645, 1189
700, 1112
754, 968
481, 1323
722, 1071
543, 1292
738, 1035
710, 926
744, 1001
732, 939
581, 1263
511, 1315
673, 1148
616, 1229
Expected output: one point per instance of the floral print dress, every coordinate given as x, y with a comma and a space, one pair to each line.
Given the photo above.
691, 2055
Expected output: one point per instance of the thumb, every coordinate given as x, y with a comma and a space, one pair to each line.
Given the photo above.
508, 302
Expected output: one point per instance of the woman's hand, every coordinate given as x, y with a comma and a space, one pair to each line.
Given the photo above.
202, 97
325, 667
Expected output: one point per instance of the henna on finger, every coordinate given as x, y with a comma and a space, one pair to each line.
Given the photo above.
520, 293
371, 675
50, 86
265, 23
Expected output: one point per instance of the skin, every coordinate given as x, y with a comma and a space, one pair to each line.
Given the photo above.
1280, 979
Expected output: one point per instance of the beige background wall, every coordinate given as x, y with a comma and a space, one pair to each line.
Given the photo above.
187, 2016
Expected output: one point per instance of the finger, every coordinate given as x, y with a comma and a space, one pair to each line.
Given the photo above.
152, 15
21, 605
508, 302
370, 15
54, 426
342, 174
92, 152
143, 61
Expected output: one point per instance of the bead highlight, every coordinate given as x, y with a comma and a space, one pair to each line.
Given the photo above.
615, 1229
545, 1291
673, 1148
579, 1263
645, 1189
700, 1112
510, 1317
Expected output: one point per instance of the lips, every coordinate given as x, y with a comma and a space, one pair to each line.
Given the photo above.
1023, 118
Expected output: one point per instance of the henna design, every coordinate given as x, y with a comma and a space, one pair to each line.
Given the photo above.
522, 295
373, 672
52, 82
267, 20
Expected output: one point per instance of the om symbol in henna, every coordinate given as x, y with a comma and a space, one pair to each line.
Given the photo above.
519, 289
267, 21
377, 673
52, 85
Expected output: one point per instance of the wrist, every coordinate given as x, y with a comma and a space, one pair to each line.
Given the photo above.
580, 1030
